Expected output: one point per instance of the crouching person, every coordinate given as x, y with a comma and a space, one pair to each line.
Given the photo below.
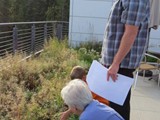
78, 97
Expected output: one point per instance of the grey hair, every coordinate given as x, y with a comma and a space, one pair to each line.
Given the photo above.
76, 94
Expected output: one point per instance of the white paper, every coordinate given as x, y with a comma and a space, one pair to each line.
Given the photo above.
113, 91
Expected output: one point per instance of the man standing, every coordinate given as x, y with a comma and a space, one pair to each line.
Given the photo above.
125, 42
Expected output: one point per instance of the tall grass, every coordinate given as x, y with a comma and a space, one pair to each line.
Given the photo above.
30, 89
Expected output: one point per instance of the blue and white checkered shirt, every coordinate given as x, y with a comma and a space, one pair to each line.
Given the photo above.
131, 12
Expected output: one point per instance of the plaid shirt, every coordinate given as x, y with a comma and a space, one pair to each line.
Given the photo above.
131, 12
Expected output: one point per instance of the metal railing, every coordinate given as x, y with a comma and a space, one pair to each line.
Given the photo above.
29, 37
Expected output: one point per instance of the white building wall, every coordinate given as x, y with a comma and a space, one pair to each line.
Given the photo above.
88, 19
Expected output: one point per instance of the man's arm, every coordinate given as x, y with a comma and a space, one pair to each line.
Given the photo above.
127, 41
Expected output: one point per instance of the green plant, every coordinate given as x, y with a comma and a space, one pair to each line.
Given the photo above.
88, 55
30, 89
97, 46
151, 59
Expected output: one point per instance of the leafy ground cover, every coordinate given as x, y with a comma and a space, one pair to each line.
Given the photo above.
30, 89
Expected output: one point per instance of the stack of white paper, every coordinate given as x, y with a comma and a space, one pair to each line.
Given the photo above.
112, 91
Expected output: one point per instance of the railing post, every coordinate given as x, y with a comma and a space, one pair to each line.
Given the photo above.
53, 29
33, 38
45, 32
15, 37
59, 31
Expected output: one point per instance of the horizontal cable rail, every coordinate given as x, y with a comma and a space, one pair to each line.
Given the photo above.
29, 37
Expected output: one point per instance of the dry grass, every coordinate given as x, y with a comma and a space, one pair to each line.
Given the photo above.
30, 89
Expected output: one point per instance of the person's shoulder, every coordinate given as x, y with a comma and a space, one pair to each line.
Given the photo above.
115, 117
90, 110
96, 110
100, 99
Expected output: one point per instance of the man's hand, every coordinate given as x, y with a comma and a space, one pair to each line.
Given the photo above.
112, 72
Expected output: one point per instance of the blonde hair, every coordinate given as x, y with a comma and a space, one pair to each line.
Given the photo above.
77, 72
76, 94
